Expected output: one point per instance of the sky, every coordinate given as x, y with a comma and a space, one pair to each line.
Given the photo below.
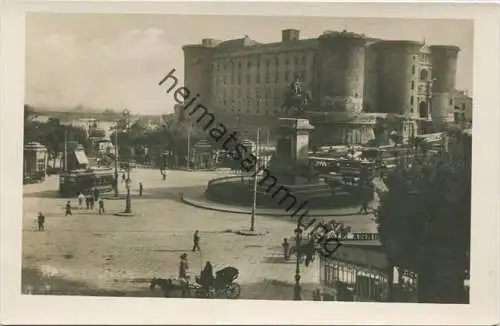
116, 60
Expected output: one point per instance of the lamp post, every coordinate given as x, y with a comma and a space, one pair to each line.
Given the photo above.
116, 159
254, 204
128, 202
188, 147
298, 239
65, 148
65, 124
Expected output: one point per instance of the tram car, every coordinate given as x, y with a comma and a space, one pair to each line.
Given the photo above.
75, 182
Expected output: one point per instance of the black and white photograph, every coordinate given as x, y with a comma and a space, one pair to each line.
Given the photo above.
245, 157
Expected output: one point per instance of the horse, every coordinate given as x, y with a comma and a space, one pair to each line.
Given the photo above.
169, 285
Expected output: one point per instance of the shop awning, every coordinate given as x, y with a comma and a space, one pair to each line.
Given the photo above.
81, 158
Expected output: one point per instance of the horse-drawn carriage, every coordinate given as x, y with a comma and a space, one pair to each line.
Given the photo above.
222, 286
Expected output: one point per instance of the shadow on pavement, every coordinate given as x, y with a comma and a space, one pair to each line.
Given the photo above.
169, 250
43, 194
34, 283
278, 260
172, 193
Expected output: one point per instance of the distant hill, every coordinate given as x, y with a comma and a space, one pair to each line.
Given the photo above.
102, 115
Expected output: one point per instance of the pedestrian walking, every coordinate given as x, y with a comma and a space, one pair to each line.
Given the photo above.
124, 177
81, 197
286, 248
101, 206
183, 267
140, 188
68, 208
41, 222
309, 251
87, 201
91, 202
96, 194
364, 207
196, 241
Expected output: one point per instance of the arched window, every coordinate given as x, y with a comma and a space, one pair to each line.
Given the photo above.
423, 74
422, 110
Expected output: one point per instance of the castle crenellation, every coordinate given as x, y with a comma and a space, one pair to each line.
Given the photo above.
343, 71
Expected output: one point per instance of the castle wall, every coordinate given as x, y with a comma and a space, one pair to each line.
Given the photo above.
252, 81
370, 93
397, 76
444, 63
340, 71
198, 71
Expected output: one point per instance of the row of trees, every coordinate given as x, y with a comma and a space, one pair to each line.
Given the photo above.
138, 142
424, 221
135, 140
52, 133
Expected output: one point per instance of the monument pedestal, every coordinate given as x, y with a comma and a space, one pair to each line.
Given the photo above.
290, 165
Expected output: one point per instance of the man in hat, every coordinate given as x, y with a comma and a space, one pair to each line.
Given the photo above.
286, 248
68, 209
183, 277
196, 241
41, 222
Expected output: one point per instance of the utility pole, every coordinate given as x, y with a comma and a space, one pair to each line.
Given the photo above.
188, 147
65, 148
128, 201
254, 205
116, 160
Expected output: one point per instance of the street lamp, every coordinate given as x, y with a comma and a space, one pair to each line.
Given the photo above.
66, 124
298, 239
128, 202
255, 179
116, 159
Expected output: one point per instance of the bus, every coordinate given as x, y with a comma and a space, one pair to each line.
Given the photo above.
83, 181
388, 157
355, 168
344, 167
325, 165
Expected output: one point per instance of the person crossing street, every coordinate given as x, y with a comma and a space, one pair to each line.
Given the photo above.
41, 222
101, 206
196, 241
68, 209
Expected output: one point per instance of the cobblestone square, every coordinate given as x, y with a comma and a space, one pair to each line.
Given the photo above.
122, 254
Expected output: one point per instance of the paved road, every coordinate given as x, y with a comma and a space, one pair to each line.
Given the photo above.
122, 253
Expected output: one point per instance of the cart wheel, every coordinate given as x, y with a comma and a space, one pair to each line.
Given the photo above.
233, 290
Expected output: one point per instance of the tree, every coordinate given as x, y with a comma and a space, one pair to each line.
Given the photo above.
424, 221
32, 130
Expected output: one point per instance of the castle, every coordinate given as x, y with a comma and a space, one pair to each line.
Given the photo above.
353, 81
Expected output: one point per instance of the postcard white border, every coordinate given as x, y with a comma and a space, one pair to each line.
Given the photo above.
18, 309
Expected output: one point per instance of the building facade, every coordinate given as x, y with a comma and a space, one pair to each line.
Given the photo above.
35, 160
356, 272
463, 108
343, 72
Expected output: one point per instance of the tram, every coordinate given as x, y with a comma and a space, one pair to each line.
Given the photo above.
83, 181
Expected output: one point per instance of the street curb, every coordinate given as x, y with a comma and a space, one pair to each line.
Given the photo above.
250, 233
211, 207
120, 197
124, 214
